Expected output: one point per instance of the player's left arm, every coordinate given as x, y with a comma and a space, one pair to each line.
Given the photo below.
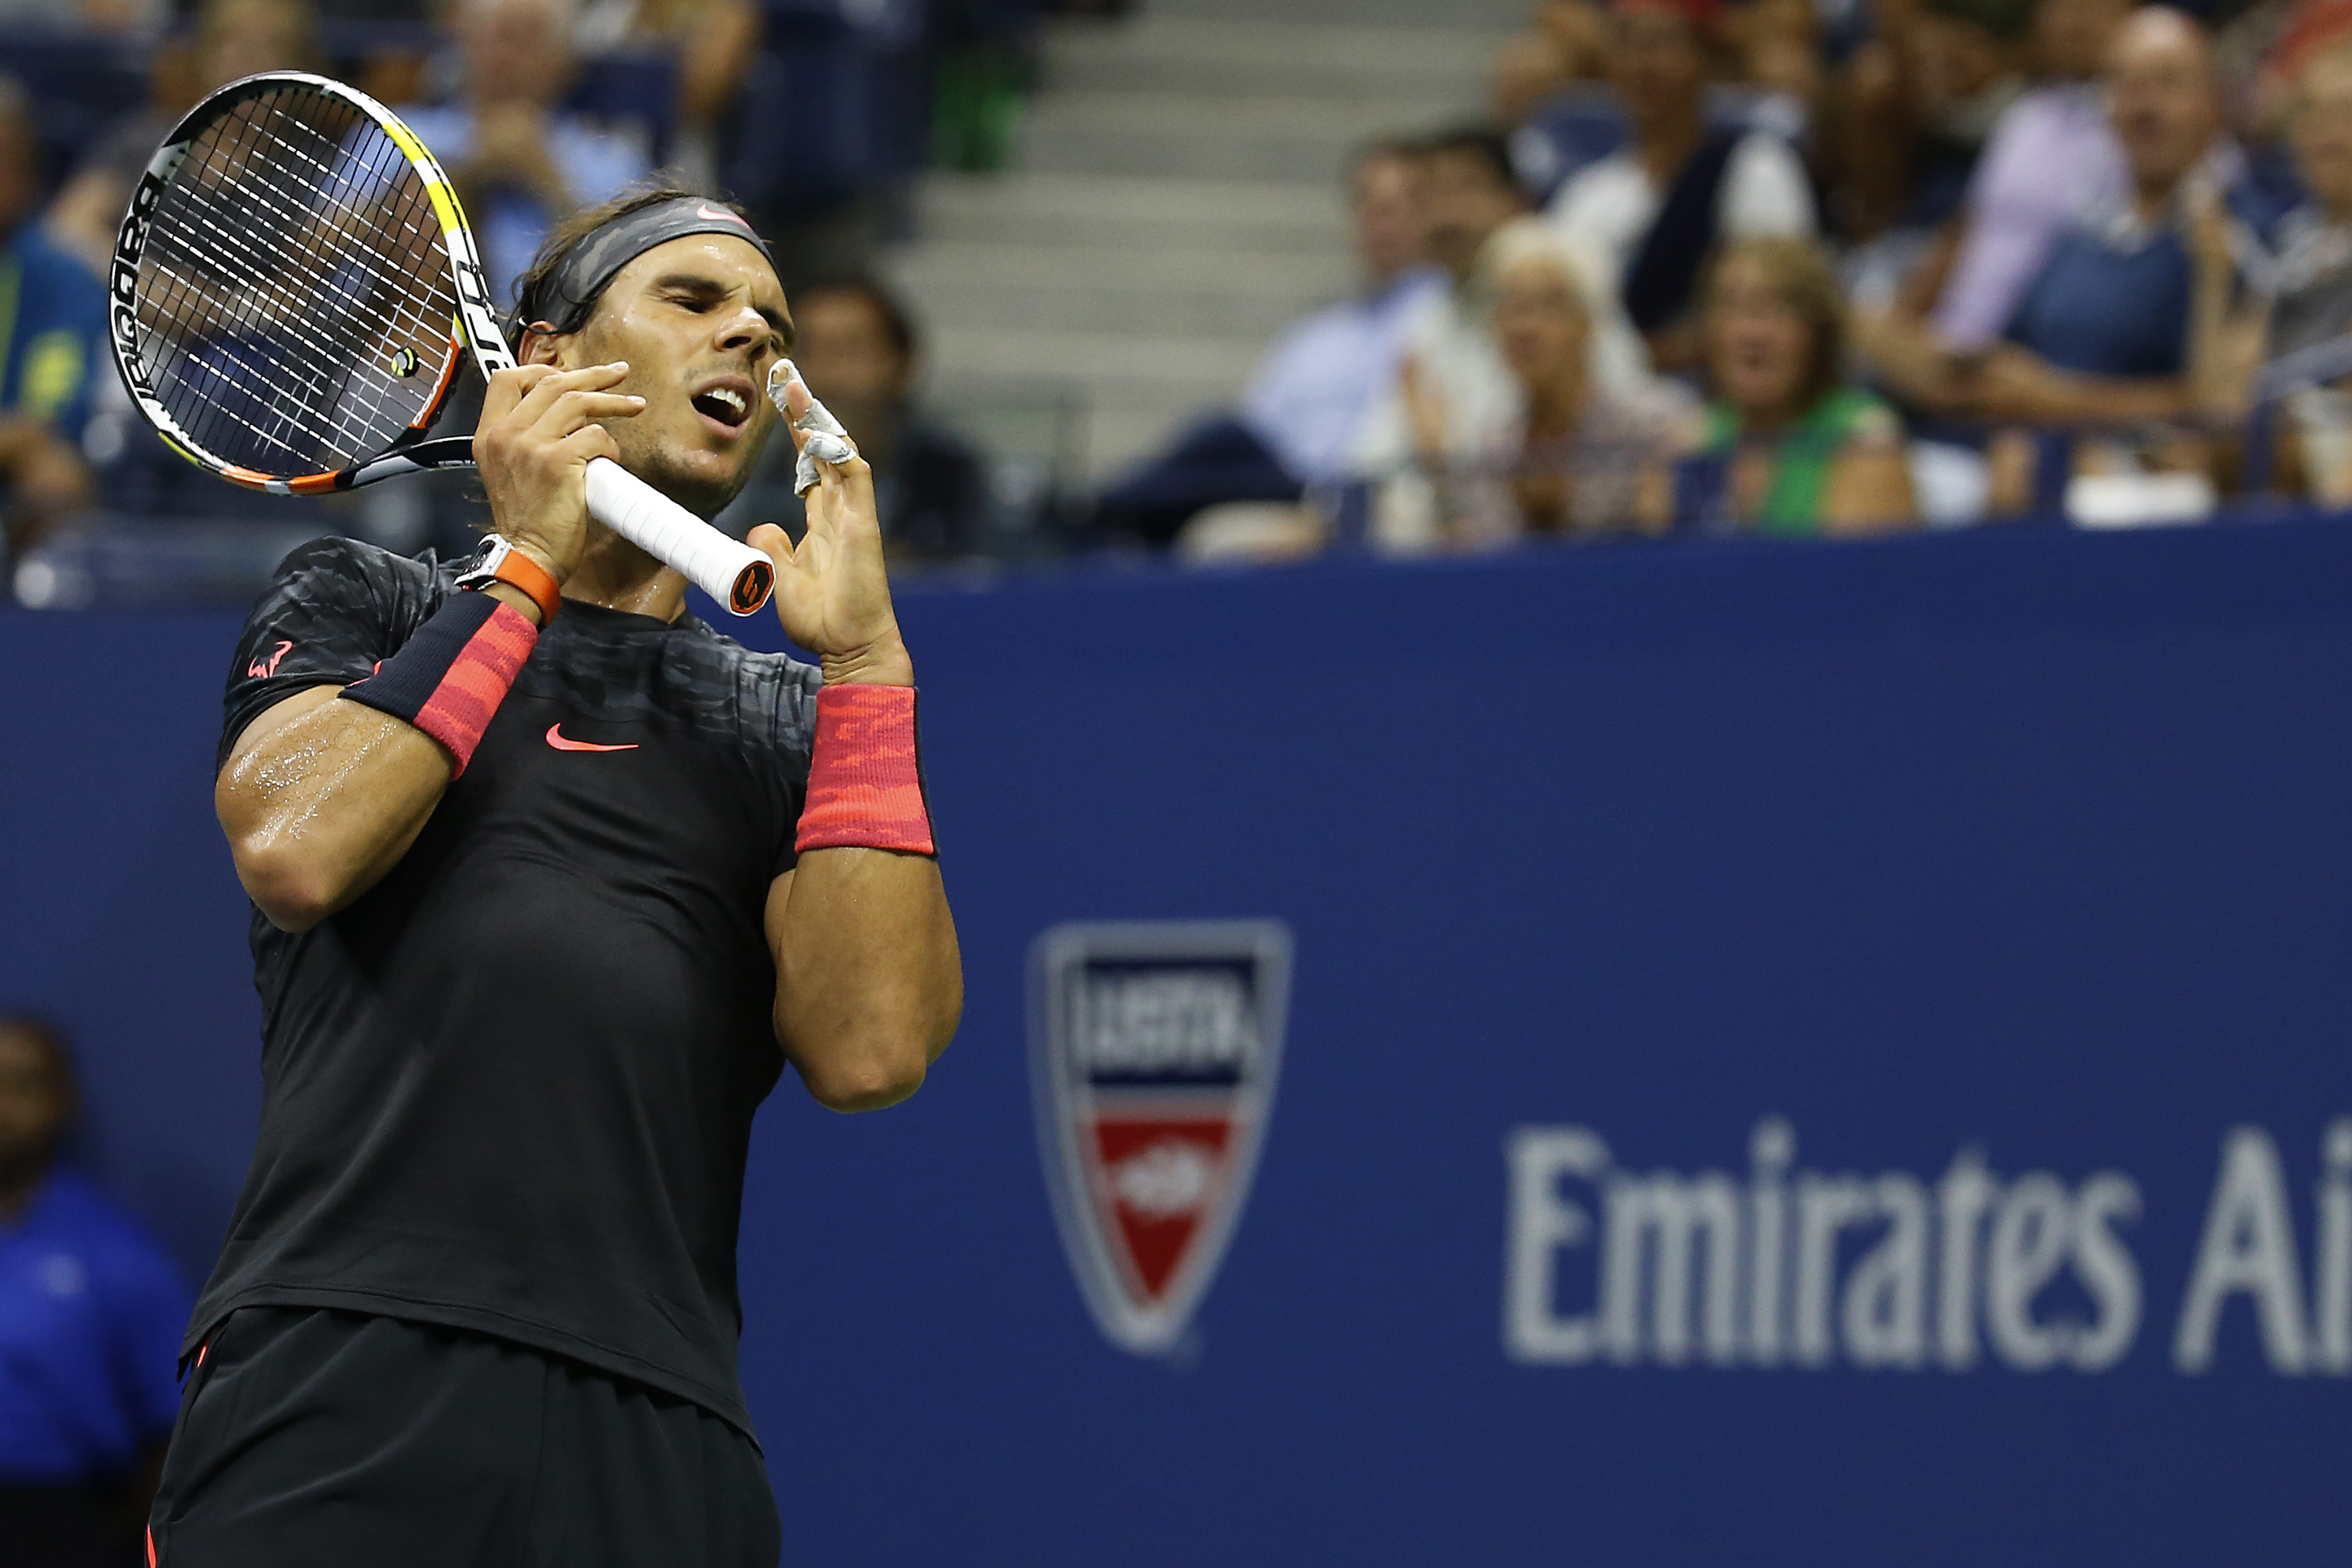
869, 984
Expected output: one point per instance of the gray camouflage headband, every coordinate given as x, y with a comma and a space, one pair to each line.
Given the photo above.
563, 298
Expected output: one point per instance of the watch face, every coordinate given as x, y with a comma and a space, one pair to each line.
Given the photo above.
485, 567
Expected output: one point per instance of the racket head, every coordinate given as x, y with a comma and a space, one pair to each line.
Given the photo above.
294, 289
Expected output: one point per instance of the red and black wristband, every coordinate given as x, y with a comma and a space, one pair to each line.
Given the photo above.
865, 774
450, 677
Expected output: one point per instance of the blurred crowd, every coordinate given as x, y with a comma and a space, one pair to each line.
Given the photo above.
1796, 267
1826, 267
816, 114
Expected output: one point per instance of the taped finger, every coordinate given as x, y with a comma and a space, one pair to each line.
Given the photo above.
823, 439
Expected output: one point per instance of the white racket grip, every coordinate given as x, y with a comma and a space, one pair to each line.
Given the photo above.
730, 570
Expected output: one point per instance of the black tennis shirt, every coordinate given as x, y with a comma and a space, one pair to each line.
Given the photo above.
509, 1088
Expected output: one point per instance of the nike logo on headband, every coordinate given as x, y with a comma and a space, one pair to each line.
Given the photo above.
707, 211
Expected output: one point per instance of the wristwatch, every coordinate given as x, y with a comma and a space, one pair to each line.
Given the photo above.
502, 562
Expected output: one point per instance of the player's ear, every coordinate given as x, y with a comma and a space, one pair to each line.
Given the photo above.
541, 344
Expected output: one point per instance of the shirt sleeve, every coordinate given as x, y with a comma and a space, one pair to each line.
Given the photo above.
332, 612
788, 777
2026, 192
1765, 190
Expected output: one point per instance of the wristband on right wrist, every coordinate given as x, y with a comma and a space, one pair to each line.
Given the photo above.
866, 775
450, 677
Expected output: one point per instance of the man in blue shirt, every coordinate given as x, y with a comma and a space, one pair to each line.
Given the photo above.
90, 1316
52, 337
1313, 389
2101, 334
521, 163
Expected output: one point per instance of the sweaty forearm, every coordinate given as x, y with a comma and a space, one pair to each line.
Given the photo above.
321, 806
869, 983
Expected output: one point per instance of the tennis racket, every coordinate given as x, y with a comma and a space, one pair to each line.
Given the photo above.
294, 293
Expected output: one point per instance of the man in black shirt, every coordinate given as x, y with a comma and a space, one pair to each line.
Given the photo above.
543, 905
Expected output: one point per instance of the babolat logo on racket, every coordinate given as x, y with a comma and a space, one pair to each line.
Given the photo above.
1154, 1048
122, 279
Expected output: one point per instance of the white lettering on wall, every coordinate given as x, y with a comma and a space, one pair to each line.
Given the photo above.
2249, 1249
2332, 1335
1542, 1223
1818, 1269
1162, 1021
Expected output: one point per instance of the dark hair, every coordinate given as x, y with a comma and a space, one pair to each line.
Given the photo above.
664, 186
897, 324
2006, 20
1481, 142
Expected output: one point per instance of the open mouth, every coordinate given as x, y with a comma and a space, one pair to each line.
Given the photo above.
728, 405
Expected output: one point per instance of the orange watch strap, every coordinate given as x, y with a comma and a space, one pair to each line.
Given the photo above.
532, 579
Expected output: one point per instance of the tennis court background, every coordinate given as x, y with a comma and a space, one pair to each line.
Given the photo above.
2038, 843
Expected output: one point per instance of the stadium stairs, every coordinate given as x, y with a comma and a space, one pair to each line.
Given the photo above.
1175, 202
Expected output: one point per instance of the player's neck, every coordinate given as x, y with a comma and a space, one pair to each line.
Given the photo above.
616, 574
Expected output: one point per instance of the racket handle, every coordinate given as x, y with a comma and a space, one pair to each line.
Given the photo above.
730, 570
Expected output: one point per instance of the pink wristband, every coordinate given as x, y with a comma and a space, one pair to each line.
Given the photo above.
865, 776
450, 677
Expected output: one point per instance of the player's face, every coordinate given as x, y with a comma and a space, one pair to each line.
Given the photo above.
699, 321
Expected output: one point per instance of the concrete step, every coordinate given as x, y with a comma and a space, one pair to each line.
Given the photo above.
1492, 16
1255, 317
1178, 201
1139, 273
1109, 211
1156, 133
1115, 364
1287, 59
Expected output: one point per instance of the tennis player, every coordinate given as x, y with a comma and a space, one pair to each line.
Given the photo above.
551, 880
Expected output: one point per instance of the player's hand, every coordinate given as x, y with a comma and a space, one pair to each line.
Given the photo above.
833, 595
539, 430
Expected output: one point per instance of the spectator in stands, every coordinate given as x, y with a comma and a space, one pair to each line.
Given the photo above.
1579, 454
1655, 209
1448, 360
90, 1317
1794, 450
52, 345
857, 348
2312, 277
2100, 333
2052, 154
105, 16
2308, 302
520, 164
232, 39
1307, 402
1922, 102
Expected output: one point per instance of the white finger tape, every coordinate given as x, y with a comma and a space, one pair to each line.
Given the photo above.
822, 438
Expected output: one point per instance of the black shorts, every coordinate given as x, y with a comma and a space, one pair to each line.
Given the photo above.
311, 1437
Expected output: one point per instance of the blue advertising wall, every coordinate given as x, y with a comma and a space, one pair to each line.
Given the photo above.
2026, 854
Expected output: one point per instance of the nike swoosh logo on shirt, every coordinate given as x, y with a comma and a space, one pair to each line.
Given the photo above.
555, 738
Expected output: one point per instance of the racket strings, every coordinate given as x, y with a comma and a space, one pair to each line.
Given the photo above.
294, 175
346, 323
295, 303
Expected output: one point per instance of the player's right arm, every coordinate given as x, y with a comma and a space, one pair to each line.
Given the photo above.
320, 799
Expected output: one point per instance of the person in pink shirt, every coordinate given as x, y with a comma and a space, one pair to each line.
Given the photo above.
2051, 155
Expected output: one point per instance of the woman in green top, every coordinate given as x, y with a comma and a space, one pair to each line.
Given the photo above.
1807, 456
